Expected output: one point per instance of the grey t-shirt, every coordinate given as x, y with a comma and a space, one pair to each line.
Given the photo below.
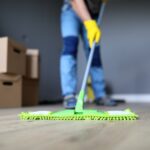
93, 5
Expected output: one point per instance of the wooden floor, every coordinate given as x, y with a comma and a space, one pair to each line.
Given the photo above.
73, 135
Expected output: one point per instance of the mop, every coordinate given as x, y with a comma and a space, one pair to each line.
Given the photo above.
79, 113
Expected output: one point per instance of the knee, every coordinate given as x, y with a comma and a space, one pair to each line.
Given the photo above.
70, 46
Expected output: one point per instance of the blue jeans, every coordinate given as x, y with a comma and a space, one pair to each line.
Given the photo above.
71, 28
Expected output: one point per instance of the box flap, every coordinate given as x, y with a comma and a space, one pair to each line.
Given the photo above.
32, 52
13, 78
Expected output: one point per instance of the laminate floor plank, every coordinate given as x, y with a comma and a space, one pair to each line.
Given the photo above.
75, 135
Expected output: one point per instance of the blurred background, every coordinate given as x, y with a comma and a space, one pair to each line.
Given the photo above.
125, 43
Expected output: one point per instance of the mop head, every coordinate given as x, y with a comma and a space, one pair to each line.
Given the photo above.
85, 115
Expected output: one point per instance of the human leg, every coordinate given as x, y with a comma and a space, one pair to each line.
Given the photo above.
70, 29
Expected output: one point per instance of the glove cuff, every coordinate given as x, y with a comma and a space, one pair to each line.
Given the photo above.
90, 24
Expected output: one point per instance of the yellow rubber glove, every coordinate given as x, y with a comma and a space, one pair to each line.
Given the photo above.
93, 31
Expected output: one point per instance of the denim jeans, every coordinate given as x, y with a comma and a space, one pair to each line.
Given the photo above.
71, 28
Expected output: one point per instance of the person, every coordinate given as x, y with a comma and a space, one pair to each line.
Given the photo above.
78, 18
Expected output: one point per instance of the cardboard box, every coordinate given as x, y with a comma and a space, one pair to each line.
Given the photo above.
10, 91
16, 91
12, 57
30, 92
32, 64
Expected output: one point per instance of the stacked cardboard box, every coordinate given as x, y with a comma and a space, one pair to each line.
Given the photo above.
12, 57
32, 64
31, 80
16, 87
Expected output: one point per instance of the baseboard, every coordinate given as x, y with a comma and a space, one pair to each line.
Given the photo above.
133, 98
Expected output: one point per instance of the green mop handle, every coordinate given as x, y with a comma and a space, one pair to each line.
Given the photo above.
80, 101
